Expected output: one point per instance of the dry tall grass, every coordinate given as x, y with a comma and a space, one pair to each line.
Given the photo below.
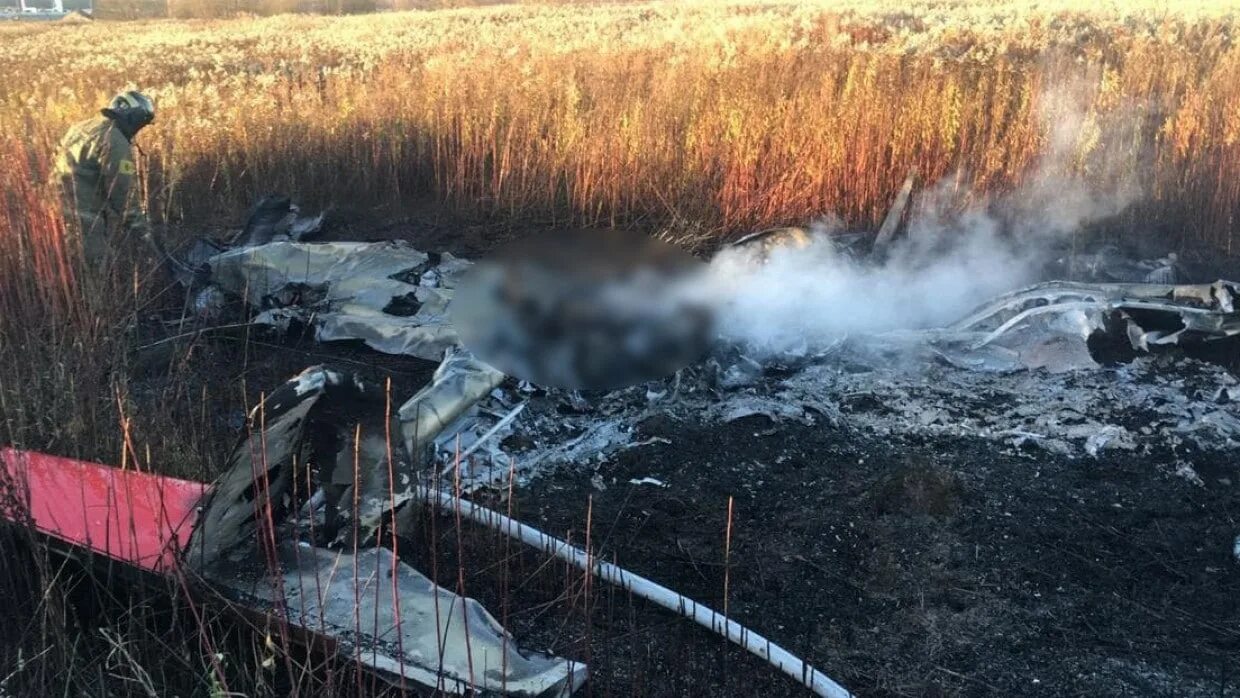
731, 114
66, 336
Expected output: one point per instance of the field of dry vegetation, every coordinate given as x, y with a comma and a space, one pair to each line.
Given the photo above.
701, 118
698, 118
725, 115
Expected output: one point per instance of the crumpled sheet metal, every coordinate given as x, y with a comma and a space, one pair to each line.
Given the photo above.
546, 439
276, 218
1207, 311
272, 464
1047, 326
458, 384
391, 617
389, 295
350, 595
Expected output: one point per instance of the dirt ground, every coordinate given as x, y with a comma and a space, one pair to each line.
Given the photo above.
914, 568
911, 567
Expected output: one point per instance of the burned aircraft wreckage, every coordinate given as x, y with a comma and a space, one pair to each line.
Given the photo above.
571, 345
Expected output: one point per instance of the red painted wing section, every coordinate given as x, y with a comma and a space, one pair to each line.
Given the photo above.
135, 517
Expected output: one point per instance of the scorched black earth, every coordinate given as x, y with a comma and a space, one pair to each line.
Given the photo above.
1002, 506
908, 565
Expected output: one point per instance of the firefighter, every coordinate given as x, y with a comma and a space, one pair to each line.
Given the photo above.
96, 174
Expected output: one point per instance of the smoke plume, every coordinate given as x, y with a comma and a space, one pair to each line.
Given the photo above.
950, 260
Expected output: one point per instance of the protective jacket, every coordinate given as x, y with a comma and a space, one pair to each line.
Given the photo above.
96, 173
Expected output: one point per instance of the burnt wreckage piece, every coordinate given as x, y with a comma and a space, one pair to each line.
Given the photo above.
388, 295
251, 544
276, 217
324, 434
1147, 317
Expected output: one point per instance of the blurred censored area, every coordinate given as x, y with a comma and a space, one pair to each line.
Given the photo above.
586, 310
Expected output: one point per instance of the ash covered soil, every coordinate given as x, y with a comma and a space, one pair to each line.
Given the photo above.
907, 566
923, 563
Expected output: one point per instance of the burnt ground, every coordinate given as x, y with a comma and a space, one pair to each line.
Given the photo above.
914, 566
923, 568
899, 567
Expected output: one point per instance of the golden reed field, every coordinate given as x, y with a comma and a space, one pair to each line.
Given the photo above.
700, 119
722, 115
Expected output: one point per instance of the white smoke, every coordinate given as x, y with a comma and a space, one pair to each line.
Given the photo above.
949, 261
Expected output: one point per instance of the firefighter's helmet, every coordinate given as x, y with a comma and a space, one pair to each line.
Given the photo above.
133, 106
